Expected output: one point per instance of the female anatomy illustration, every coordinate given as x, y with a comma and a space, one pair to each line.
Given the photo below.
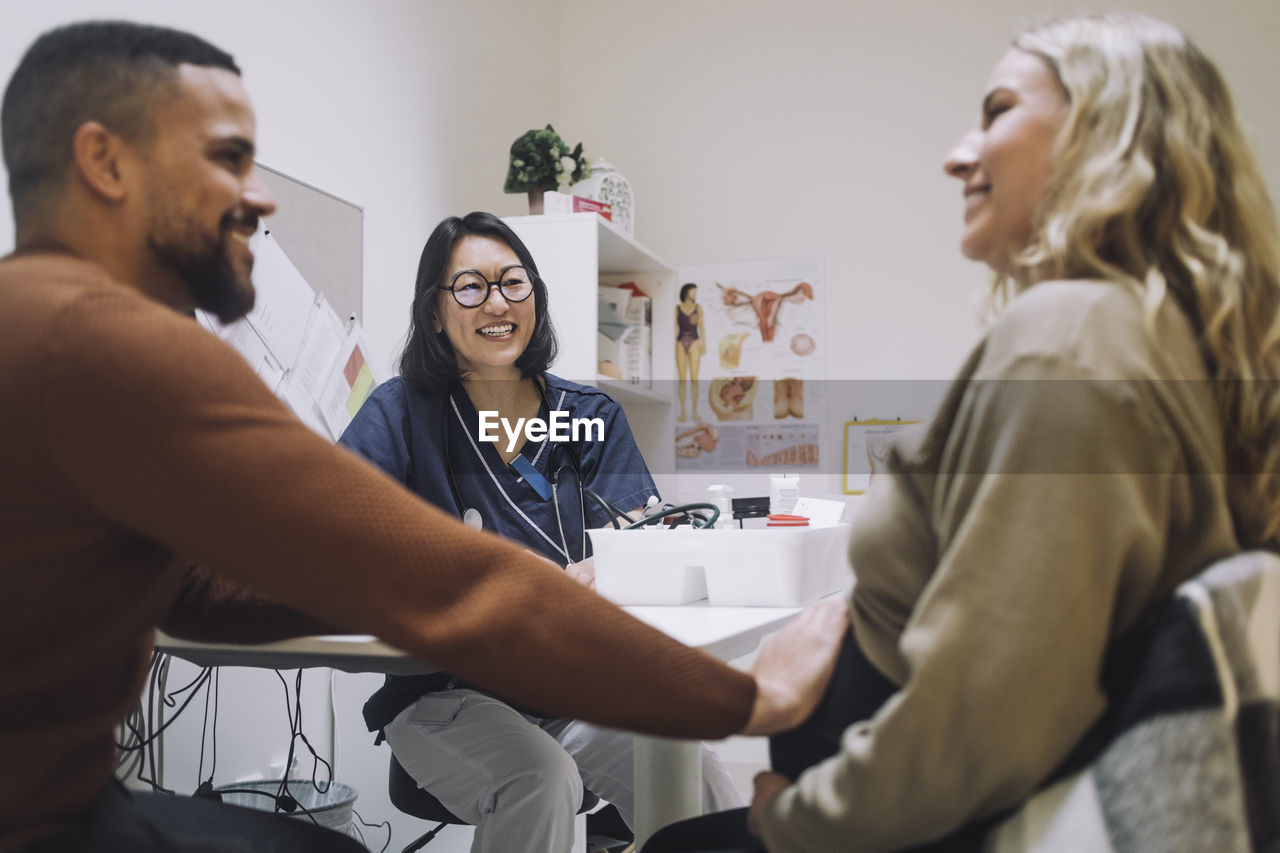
691, 343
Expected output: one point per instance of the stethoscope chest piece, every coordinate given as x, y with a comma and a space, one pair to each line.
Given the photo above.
471, 518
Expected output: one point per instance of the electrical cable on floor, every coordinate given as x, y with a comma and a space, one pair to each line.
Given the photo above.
144, 729
283, 799
204, 788
284, 803
204, 730
153, 711
335, 740
140, 736
296, 733
385, 823
217, 694
158, 765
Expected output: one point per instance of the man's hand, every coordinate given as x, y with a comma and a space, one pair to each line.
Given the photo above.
794, 666
583, 572
767, 786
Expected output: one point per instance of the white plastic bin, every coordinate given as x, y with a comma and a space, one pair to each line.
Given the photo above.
777, 567
650, 566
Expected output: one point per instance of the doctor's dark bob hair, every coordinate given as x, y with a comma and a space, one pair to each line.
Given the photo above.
428, 363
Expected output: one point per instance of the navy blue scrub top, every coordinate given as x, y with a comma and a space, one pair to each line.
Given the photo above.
400, 430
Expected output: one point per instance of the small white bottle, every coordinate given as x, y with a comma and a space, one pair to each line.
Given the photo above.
721, 496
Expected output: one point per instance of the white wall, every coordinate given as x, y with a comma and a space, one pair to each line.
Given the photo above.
753, 128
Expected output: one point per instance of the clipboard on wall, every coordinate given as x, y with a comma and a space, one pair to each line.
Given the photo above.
866, 445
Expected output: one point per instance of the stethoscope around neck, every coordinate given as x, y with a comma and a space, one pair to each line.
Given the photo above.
473, 518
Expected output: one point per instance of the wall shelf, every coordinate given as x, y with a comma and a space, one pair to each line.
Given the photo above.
616, 253
575, 254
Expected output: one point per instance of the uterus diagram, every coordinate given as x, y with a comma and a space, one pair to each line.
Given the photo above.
762, 309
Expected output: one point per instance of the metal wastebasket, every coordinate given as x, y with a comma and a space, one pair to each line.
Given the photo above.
331, 809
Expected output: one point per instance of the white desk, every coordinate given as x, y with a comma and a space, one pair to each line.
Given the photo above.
668, 773
349, 653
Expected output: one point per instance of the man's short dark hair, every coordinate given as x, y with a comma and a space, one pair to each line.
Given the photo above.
428, 362
105, 71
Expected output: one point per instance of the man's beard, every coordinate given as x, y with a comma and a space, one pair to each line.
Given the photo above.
206, 268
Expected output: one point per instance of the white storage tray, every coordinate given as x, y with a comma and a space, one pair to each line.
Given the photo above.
650, 566
777, 567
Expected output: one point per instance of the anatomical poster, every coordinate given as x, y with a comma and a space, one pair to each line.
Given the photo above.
750, 351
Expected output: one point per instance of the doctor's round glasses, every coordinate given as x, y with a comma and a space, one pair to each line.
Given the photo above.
470, 289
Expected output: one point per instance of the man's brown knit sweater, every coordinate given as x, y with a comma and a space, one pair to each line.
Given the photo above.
135, 443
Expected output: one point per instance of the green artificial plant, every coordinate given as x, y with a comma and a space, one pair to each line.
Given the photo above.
541, 160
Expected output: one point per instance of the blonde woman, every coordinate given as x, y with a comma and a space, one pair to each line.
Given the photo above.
1073, 476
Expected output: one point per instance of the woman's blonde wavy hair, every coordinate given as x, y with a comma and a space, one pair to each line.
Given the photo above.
1155, 186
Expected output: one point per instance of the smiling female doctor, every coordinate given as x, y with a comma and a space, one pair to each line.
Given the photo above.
480, 340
